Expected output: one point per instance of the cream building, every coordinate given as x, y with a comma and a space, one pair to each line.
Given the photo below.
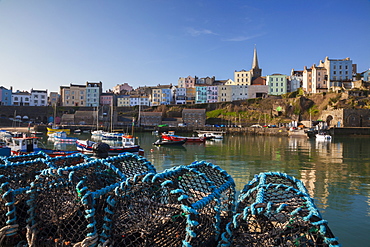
73, 95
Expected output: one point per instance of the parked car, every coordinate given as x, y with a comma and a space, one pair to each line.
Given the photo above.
256, 126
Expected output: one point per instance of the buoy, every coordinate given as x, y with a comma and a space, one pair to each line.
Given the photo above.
151, 150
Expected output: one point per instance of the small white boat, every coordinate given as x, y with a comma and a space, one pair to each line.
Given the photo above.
127, 145
61, 137
323, 137
111, 135
97, 133
211, 134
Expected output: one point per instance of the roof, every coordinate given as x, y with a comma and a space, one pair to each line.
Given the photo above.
194, 110
151, 113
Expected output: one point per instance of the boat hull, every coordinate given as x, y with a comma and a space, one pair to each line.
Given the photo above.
50, 152
52, 130
169, 143
87, 147
181, 138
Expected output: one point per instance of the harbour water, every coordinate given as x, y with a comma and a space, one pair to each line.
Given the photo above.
336, 173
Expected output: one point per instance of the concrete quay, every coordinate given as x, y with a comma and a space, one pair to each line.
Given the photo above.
365, 131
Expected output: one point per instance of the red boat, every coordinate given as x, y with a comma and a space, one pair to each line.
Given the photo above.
181, 138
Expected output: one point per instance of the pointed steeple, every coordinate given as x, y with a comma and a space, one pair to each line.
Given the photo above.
255, 59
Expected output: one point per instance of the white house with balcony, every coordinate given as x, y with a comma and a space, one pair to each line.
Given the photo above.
21, 98
39, 97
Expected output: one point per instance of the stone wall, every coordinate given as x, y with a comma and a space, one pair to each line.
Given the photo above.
347, 117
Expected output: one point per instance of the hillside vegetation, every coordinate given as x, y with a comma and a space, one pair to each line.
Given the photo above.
273, 109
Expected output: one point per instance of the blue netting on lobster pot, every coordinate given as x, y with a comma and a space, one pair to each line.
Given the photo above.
70, 160
179, 207
25, 157
273, 214
249, 193
66, 204
219, 177
131, 164
15, 179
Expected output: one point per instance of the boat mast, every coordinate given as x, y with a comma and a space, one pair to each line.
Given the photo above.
55, 114
111, 117
97, 118
138, 118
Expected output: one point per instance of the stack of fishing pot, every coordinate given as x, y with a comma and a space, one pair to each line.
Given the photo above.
67, 204
182, 206
275, 209
16, 174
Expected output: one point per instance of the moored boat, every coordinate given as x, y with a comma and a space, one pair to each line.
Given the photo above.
57, 129
160, 142
128, 145
26, 145
62, 137
323, 137
209, 135
112, 135
180, 138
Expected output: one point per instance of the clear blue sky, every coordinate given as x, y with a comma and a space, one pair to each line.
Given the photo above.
48, 43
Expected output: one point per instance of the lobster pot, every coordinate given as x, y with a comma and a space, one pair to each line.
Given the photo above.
248, 193
180, 206
70, 160
25, 157
15, 179
66, 204
219, 177
277, 215
275, 178
131, 164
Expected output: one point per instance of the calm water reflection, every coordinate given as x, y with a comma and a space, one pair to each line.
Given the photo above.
336, 173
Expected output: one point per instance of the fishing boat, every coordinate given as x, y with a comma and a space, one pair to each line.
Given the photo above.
57, 129
26, 145
160, 142
128, 145
170, 137
61, 137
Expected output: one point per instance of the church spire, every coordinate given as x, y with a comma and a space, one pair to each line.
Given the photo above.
255, 59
